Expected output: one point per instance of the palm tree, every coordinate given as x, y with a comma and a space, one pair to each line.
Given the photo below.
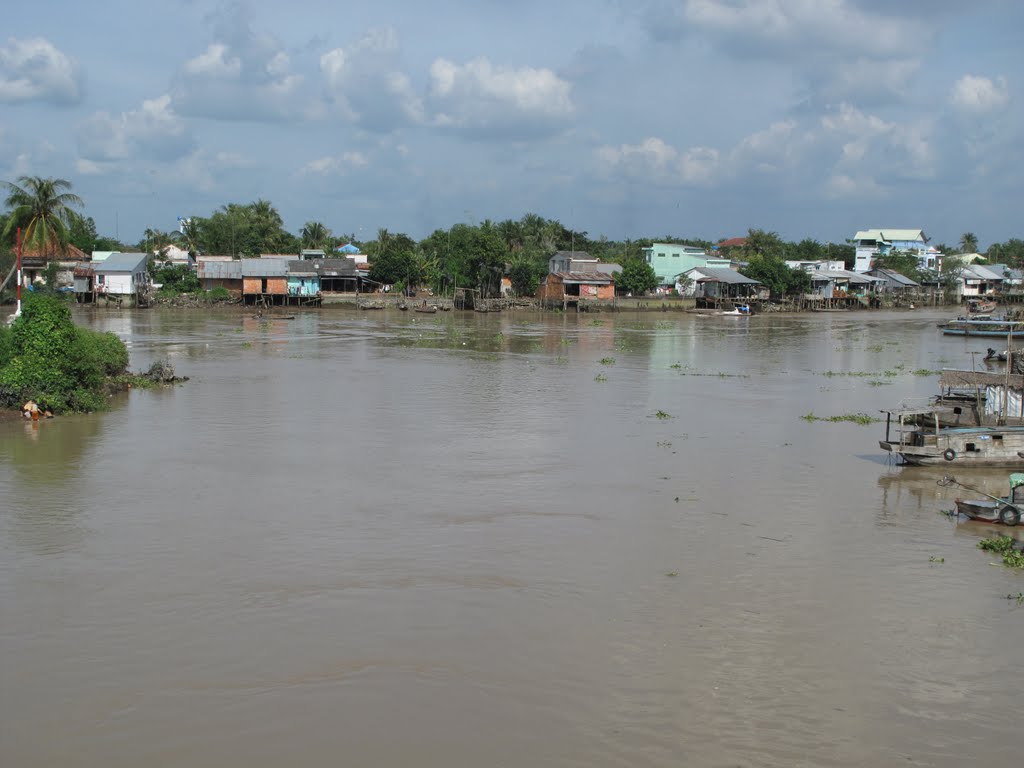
383, 238
43, 210
189, 236
968, 243
315, 235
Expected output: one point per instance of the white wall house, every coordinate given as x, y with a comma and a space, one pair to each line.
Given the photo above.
871, 243
121, 274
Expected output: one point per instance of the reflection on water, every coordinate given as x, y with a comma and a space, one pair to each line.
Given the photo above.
501, 538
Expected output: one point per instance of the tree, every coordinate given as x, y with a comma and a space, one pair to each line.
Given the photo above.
761, 243
43, 209
968, 243
315, 235
1011, 252
770, 271
636, 278
524, 276
907, 264
189, 236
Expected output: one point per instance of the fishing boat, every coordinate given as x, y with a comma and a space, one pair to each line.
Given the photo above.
429, 309
991, 328
918, 437
739, 309
991, 509
978, 307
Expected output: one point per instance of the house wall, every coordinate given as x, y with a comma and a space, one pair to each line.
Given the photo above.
303, 286
232, 286
551, 288
275, 285
670, 260
117, 284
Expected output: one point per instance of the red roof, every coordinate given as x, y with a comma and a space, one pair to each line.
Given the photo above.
733, 242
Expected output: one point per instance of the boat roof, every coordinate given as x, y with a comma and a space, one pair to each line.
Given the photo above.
916, 411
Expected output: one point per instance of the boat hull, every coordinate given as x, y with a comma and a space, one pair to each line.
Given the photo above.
1000, 511
961, 447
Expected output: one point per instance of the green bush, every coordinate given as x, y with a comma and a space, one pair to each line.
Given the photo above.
52, 361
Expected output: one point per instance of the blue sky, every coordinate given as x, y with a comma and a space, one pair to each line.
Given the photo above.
625, 118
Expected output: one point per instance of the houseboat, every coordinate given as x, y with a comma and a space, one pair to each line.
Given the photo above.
918, 437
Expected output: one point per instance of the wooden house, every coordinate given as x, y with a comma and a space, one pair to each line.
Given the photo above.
121, 278
220, 272
264, 280
569, 288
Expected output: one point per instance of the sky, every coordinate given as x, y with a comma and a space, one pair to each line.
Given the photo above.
622, 118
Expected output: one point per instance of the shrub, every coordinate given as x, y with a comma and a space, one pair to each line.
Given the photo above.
50, 360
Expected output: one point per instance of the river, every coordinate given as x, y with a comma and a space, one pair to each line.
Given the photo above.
383, 539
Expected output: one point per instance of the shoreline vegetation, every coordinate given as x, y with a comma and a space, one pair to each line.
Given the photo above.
47, 360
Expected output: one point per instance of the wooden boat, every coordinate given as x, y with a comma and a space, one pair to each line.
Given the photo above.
739, 309
429, 310
917, 436
992, 328
981, 307
992, 509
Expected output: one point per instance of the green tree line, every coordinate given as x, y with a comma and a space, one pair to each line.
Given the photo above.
463, 255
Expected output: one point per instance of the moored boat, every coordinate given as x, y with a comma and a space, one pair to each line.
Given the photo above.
917, 436
989, 328
992, 509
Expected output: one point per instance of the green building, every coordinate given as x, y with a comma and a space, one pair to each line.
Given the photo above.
670, 260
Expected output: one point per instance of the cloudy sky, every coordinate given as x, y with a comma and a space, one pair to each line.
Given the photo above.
625, 118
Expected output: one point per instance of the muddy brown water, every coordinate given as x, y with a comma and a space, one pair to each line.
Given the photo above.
466, 540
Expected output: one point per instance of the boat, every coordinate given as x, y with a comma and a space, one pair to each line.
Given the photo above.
918, 437
424, 308
992, 328
992, 509
992, 355
978, 307
739, 309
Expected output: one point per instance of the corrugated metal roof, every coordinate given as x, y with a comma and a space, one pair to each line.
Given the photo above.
724, 275
585, 277
888, 235
264, 267
121, 262
980, 272
896, 277
844, 274
220, 270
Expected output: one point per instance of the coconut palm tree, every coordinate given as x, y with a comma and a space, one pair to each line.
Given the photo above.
189, 236
315, 235
968, 243
43, 209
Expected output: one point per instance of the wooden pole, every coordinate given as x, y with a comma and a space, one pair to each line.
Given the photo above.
17, 311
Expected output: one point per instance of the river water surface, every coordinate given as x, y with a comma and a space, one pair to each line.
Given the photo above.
387, 539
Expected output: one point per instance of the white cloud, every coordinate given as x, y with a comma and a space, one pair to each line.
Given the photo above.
979, 95
827, 24
367, 86
34, 70
215, 62
658, 162
241, 75
483, 99
336, 165
153, 130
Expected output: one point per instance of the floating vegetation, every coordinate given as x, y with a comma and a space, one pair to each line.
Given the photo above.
876, 383
676, 367
247, 345
672, 574
855, 418
662, 415
1003, 545
666, 444
875, 348
596, 323
925, 372
720, 375
934, 559
1019, 597
601, 378
607, 361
